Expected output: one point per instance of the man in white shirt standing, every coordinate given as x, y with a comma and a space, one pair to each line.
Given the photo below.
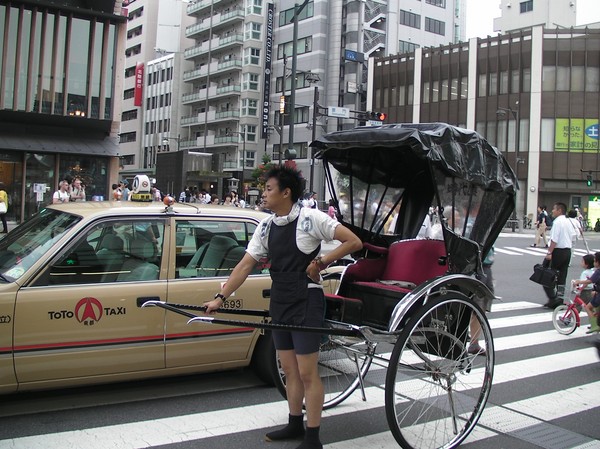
559, 253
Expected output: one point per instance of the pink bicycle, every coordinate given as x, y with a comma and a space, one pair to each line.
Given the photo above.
566, 317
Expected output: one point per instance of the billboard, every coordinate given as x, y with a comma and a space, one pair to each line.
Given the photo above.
576, 134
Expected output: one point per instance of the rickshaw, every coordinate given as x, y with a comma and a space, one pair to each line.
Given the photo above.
406, 312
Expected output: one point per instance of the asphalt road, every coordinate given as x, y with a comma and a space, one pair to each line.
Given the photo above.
545, 392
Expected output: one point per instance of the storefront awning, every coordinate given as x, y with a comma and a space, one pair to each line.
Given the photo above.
54, 144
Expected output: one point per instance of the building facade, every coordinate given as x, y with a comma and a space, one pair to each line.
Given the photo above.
241, 67
152, 87
533, 93
60, 69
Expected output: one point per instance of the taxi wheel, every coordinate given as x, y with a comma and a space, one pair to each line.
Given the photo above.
264, 360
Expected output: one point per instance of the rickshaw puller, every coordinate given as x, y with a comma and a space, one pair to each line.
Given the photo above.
291, 238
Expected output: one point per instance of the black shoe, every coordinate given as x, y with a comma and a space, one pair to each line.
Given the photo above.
553, 304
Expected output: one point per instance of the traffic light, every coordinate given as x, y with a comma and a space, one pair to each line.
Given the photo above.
589, 180
376, 116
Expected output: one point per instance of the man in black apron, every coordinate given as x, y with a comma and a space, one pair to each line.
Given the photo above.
291, 238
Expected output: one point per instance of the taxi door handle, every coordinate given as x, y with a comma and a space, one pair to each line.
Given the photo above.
143, 299
266, 293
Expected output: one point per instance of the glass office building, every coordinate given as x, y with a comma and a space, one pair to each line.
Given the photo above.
58, 67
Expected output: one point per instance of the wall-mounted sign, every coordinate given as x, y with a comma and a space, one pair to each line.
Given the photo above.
576, 134
351, 55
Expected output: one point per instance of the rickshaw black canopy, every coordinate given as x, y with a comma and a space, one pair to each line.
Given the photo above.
394, 149
419, 166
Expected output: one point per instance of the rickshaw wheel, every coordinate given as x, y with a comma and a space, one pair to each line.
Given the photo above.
340, 359
435, 390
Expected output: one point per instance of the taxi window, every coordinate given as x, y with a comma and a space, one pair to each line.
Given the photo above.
31, 240
208, 248
115, 251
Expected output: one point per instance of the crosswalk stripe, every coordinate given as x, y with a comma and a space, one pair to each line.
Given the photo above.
504, 251
532, 251
517, 305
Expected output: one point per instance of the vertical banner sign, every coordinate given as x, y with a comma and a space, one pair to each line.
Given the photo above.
266, 107
139, 84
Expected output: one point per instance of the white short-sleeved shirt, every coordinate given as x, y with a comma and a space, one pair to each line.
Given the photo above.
562, 232
61, 196
312, 228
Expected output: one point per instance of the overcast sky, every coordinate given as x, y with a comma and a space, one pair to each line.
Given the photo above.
481, 15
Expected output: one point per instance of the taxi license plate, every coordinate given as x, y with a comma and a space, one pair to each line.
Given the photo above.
233, 304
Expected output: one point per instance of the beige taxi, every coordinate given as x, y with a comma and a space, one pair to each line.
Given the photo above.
73, 276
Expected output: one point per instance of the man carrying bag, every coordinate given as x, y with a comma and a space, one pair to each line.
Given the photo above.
559, 254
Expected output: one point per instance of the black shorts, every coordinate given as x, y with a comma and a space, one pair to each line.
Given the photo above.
304, 342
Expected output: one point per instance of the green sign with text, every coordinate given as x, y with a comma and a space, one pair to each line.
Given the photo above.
576, 134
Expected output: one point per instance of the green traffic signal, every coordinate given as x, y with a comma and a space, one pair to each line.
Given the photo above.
589, 181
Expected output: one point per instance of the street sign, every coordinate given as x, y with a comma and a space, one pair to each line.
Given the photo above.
373, 123
334, 111
351, 55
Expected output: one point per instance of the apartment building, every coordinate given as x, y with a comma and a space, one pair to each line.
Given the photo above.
151, 96
243, 66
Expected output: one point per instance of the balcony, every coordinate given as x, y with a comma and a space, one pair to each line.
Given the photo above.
224, 115
213, 68
200, 6
228, 89
228, 41
199, 96
201, 72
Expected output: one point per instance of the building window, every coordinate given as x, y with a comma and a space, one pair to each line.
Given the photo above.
129, 115
251, 56
129, 93
128, 159
254, 7
127, 137
250, 81
136, 14
249, 107
303, 45
435, 26
301, 82
526, 6
129, 72
134, 32
285, 17
407, 47
440, 3
132, 51
409, 19
250, 133
252, 31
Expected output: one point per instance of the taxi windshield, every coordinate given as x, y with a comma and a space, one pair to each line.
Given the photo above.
27, 243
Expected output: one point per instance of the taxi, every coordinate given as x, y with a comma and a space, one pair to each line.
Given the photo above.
72, 279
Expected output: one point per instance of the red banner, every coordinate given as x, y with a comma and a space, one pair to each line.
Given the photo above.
139, 84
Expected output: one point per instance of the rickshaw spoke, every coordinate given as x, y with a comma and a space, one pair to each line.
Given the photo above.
432, 401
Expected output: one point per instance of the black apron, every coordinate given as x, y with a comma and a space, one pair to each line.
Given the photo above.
289, 289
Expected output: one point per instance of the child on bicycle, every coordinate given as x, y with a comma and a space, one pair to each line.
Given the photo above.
587, 263
593, 306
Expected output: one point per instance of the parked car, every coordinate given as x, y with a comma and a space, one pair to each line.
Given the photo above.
72, 278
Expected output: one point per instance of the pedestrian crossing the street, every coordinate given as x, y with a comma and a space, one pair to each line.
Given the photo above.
531, 395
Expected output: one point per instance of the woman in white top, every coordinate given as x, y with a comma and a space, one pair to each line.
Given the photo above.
62, 194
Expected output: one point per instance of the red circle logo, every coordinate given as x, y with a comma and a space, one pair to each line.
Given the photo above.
88, 310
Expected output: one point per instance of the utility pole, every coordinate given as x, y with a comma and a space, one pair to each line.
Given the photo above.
297, 10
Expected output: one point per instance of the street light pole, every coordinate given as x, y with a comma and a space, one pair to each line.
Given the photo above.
516, 115
297, 10
243, 136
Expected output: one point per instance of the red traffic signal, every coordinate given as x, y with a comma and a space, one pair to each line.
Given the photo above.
377, 116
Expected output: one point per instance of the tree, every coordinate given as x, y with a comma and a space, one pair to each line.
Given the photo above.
259, 173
